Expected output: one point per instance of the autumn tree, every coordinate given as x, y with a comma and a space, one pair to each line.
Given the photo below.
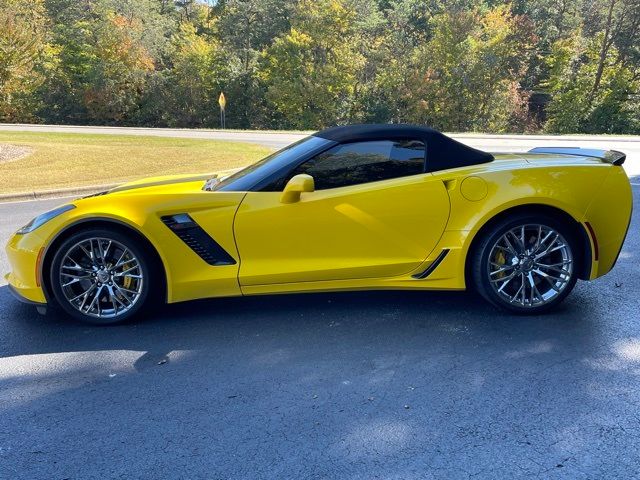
246, 29
595, 72
194, 81
310, 72
467, 75
590, 94
24, 57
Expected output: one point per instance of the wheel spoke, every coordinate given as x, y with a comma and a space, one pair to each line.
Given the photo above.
546, 275
96, 297
534, 290
520, 240
539, 237
93, 252
515, 296
114, 299
506, 283
503, 279
546, 251
510, 247
73, 275
71, 282
122, 291
124, 272
75, 266
118, 263
555, 269
502, 269
561, 264
87, 253
101, 251
543, 241
84, 293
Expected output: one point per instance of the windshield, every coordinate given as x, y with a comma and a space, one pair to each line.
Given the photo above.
244, 179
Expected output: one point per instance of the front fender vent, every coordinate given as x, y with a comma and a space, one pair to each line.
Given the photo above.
197, 239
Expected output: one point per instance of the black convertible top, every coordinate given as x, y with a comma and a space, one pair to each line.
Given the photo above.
442, 152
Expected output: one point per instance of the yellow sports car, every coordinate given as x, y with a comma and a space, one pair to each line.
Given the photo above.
348, 208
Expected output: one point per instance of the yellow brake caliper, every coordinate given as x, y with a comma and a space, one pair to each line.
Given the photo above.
501, 260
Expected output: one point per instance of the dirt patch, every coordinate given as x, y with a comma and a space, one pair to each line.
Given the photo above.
9, 153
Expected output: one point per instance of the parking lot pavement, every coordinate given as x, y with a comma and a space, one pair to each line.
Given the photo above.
390, 385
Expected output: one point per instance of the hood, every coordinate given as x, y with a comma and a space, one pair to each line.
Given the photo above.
170, 180
159, 181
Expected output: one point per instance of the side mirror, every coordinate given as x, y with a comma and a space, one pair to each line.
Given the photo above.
297, 185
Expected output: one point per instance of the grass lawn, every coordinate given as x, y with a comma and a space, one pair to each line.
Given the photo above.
59, 160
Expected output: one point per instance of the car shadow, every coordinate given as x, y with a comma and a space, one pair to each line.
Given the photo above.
197, 324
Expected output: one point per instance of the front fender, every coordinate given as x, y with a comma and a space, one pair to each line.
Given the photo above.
188, 276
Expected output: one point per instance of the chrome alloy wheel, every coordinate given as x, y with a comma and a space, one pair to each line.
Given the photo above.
101, 277
530, 265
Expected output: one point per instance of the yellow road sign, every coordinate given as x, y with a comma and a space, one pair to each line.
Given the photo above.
222, 100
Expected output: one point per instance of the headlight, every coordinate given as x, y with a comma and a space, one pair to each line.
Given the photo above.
44, 218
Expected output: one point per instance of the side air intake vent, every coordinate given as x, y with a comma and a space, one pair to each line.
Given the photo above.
429, 270
197, 239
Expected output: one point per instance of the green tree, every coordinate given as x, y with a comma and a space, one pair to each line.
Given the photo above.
117, 76
310, 72
108, 51
467, 75
246, 27
25, 56
198, 74
590, 94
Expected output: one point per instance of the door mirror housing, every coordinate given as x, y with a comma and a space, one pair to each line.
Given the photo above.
296, 186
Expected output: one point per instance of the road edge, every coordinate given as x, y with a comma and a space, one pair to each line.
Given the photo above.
56, 193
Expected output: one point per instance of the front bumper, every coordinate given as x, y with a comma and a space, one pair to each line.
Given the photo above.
24, 252
42, 307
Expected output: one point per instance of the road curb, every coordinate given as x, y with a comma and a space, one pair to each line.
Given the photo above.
61, 192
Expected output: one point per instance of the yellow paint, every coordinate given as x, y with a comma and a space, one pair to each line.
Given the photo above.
364, 231
369, 236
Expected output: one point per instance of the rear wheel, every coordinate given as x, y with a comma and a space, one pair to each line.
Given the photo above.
101, 276
526, 263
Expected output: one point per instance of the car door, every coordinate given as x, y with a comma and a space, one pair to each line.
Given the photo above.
374, 213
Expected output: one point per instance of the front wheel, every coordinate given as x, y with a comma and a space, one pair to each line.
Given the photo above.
526, 264
101, 276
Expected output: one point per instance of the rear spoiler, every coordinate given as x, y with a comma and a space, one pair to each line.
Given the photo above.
610, 156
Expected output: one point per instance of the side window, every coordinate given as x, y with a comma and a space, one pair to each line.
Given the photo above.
363, 162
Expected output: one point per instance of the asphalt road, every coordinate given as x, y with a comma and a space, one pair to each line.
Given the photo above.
389, 385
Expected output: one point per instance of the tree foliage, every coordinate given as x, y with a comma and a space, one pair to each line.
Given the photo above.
555, 65
470, 66
310, 72
24, 52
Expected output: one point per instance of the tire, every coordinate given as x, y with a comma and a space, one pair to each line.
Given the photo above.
101, 276
511, 270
